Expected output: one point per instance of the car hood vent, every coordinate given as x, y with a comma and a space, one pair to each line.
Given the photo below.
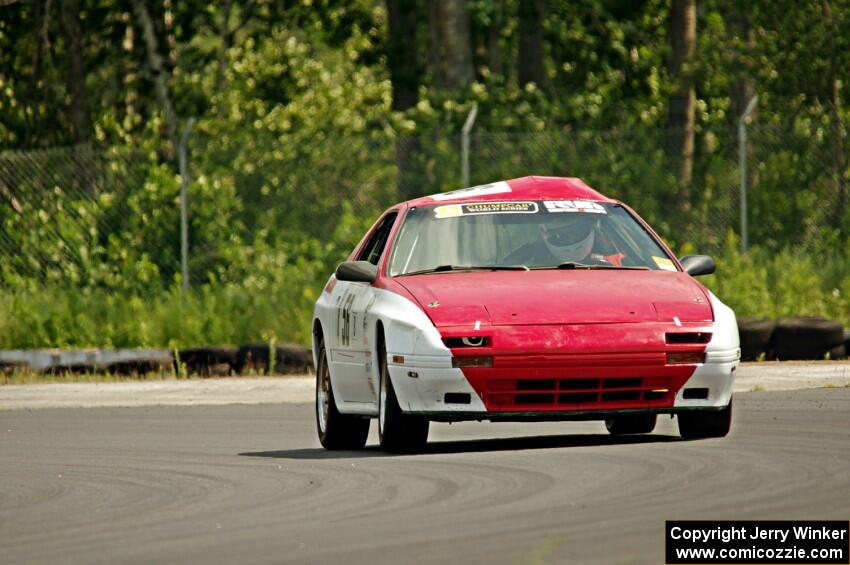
558, 297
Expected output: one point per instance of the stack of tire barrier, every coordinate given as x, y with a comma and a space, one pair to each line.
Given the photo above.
220, 360
209, 361
808, 337
255, 358
58, 361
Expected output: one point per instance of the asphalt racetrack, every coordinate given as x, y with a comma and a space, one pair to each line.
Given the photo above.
249, 484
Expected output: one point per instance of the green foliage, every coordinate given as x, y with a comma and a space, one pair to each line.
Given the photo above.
297, 150
224, 313
792, 282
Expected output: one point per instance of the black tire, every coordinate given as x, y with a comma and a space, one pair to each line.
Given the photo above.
336, 431
701, 424
755, 334
806, 337
838, 352
631, 424
398, 432
208, 360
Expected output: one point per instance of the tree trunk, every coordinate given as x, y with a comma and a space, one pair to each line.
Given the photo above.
839, 161
156, 69
35, 89
494, 36
76, 77
743, 87
680, 117
530, 55
405, 70
226, 41
434, 57
455, 51
405, 74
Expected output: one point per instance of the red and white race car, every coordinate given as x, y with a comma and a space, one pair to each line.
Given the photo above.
536, 298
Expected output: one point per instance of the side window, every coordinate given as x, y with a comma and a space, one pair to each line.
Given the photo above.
378, 240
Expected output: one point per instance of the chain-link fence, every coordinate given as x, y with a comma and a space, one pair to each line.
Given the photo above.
109, 217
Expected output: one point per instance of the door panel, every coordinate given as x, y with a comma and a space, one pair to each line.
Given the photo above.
348, 357
351, 354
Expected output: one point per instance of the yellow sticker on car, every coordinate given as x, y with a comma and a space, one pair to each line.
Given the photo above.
664, 263
448, 211
477, 208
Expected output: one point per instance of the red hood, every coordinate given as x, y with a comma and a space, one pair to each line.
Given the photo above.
558, 297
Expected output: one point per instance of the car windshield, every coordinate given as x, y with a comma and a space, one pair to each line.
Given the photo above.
567, 234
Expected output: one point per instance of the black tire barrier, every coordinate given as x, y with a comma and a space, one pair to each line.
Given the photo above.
208, 361
838, 352
847, 341
136, 367
755, 335
806, 338
289, 358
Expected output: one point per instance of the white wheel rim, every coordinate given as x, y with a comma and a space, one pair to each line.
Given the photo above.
323, 398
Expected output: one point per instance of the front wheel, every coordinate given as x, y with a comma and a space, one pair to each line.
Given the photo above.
336, 431
398, 432
631, 424
705, 424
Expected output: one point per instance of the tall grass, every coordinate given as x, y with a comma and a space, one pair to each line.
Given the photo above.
59, 317
791, 282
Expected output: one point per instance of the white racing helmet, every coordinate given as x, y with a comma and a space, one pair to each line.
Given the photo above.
570, 236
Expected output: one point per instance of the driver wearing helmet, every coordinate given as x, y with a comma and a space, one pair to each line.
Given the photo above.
564, 238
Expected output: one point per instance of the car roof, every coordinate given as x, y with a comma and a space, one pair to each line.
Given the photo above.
524, 188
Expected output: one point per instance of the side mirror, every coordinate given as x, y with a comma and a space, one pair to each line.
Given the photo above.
696, 265
357, 271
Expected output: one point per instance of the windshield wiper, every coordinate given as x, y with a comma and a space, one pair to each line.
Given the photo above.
448, 268
574, 265
571, 265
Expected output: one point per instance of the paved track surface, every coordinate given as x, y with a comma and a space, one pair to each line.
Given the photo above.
249, 484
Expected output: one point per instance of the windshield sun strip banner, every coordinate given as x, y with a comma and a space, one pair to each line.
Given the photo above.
518, 207
580, 206
479, 208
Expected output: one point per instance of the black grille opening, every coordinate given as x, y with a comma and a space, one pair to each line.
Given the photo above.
695, 393
620, 395
530, 398
535, 384
621, 383
457, 398
688, 337
576, 397
579, 384
471, 341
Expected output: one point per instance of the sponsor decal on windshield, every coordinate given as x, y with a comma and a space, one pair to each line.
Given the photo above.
585, 206
664, 263
477, 208
473, 191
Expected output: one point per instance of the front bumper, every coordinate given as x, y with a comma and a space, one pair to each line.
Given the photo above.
528, 383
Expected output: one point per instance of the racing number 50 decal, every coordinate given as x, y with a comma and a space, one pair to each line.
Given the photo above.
345, 324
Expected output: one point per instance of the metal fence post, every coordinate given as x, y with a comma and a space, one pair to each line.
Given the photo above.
742, 156
184, 204
464, 143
